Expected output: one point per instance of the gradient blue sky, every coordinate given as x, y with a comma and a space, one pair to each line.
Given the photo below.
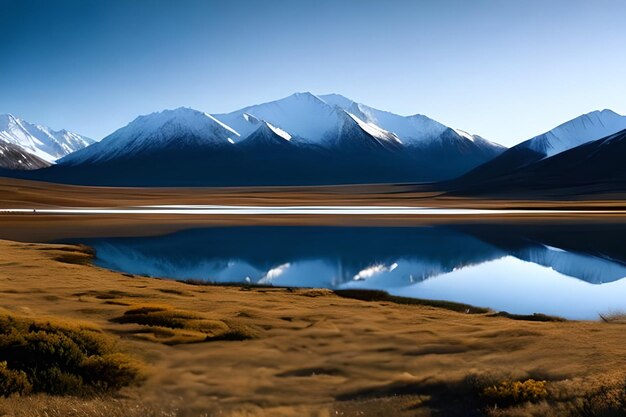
506, 70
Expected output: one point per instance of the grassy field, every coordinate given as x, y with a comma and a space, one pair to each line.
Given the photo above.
255, 351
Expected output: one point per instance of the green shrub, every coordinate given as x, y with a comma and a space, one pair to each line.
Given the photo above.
59, 359
109, 372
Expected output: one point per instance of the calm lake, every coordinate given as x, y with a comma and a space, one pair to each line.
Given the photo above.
574, 271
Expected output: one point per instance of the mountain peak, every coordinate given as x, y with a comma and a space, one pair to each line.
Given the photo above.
304, 94
608, 111
182, 118
337, 100
7, 119
582, 129
180, 127
302, 115
39, 140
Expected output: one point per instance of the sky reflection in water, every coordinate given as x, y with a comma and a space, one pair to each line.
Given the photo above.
571, 271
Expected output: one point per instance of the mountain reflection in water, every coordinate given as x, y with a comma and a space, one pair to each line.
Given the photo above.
574, 271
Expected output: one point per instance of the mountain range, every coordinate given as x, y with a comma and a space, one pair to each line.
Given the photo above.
298, 140
331, 257
304, 139
36, 143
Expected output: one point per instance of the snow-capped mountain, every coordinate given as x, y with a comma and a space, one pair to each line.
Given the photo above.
14, 157
582, 129
301, 139
412, 130
266, 136
416, 130
302, 115
173, 130
569, 135
39, 140
593, 167
306, 118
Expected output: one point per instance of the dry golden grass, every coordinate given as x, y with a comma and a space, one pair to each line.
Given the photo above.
314, 353
167, 325
50, 406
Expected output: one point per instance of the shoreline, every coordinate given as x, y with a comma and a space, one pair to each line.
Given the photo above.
28, 227
310, 351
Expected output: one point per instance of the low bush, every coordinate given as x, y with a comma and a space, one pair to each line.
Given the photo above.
606, 400
171, 326
59, 359
13, 382
508, 393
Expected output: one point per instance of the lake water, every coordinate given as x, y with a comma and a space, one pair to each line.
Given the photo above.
574, 271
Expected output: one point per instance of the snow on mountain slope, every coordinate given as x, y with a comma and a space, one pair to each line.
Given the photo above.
307, 140
39, 140
180, 128
279, 131
375, 131
302, 115
263, 142
417, 130
411, 130
583, 129
590, 268
306, 118
14, 157
480, 141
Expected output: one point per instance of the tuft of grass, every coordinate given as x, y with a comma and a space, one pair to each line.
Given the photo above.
377, 295
171, 291
76, 258
109, 295
172, 326
508, 393
76, 254
500, 395
613, 318
38, 405
60, 359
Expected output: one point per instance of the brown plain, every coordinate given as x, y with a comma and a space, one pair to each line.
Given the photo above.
311, 352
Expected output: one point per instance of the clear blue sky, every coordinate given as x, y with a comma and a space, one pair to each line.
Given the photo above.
506, 70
